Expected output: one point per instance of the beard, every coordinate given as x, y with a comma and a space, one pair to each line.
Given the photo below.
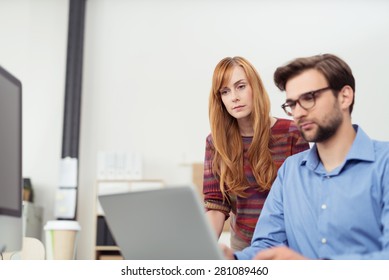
327, 130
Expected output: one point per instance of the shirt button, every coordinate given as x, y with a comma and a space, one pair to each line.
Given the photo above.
323, 206
323, 241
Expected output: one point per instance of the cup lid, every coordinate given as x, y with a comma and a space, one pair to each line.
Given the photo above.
62, 225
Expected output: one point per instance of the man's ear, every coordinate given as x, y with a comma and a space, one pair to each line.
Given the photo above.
346, 97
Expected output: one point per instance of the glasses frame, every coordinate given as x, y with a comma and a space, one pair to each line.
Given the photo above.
292, 103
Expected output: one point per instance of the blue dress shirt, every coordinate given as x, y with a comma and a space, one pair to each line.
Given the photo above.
342, 214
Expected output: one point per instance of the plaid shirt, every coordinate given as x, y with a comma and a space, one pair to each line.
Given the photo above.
244, 212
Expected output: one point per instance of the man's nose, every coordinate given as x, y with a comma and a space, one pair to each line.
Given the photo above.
298, 111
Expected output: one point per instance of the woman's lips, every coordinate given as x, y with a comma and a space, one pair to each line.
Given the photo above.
237, 108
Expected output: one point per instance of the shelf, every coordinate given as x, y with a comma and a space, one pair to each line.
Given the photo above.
107, 248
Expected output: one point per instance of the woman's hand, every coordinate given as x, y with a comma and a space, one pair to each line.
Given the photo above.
228, 252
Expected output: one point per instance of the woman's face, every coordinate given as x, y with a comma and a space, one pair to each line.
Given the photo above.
237, 95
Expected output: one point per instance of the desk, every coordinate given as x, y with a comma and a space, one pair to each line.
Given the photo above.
32, 249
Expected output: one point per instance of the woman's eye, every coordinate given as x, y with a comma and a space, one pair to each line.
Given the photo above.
223, 92
242, 86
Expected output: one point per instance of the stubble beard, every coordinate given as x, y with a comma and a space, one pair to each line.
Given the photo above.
327, 130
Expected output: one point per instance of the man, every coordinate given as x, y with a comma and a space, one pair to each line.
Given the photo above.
332, 201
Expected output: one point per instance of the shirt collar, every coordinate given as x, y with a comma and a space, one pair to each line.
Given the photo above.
362, 149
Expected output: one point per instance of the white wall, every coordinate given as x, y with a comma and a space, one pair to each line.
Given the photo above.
148, 69
147, 74
33, 36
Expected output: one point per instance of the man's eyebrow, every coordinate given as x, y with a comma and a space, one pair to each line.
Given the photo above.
290, 100
295, 100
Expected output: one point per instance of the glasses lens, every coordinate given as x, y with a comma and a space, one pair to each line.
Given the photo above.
287, 109
307, 101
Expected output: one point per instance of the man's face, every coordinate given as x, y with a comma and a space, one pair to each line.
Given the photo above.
321, 122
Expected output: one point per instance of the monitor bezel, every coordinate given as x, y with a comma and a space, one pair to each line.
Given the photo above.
6, 210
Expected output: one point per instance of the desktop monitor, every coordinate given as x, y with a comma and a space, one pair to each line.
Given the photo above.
11, 181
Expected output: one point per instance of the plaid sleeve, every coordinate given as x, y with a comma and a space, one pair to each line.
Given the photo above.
298, 142
213, 197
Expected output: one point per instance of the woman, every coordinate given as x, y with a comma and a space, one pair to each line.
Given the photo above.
244, 150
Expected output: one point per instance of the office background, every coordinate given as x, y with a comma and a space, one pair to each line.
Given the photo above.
147, 74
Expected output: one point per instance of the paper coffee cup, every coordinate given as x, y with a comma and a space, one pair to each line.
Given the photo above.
61, 239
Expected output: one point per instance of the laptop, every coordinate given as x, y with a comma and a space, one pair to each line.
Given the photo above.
161, 224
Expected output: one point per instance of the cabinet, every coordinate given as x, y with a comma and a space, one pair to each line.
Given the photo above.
105, 245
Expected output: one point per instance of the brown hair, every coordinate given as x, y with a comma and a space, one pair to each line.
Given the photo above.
228, 155
336, 71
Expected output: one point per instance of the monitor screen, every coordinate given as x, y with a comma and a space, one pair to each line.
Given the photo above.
11, 181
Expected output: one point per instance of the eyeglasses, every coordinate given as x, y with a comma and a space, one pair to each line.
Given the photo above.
306, 101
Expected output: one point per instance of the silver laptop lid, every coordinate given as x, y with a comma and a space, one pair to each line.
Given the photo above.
161, 224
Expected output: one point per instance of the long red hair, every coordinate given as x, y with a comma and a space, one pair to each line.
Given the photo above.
228, 158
